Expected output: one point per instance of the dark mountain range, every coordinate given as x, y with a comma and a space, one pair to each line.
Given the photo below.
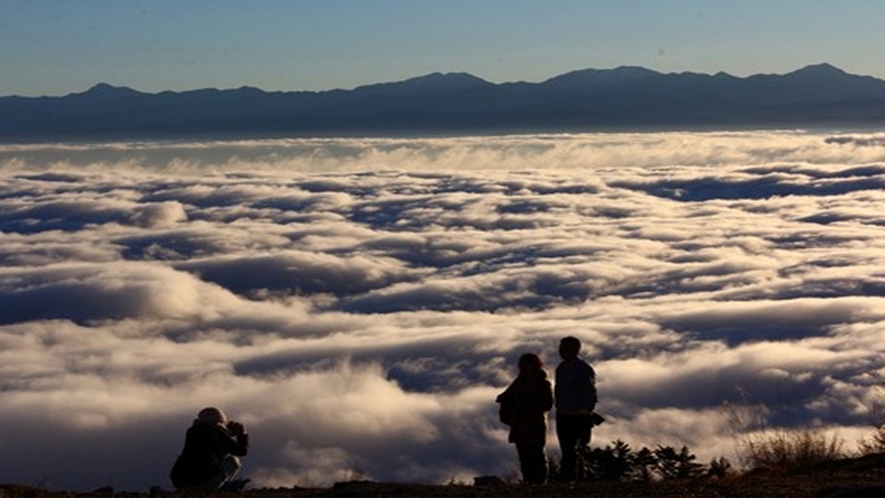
591, 99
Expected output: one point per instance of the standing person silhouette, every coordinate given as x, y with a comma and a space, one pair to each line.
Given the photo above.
524, 407
575, 394
212, 447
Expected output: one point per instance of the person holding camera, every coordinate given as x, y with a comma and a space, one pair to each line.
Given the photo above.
212, 450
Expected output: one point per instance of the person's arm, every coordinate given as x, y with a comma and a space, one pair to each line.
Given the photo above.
238, 446
590, 394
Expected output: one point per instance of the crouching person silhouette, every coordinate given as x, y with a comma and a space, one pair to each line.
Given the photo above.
524, 407
210, 458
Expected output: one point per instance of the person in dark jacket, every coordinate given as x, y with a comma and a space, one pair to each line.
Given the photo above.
524, 407
212, 450
575, 402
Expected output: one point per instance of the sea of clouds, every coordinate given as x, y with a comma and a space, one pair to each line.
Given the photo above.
359, 303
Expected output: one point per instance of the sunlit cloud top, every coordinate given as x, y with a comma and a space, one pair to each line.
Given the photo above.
360, 303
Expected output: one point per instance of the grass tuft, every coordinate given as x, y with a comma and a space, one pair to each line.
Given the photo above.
760, 446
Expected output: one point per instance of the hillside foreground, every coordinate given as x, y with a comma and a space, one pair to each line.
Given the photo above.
854, 477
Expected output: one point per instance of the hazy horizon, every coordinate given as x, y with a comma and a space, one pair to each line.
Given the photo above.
542, 78
57, 47
359, 302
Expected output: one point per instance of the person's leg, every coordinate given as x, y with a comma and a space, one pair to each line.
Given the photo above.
569, 436
230, 465
583, 427
227, 469
585, 430
532, 462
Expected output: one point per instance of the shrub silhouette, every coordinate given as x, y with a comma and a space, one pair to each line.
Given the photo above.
719, 467
613, 462
618, 461
644, 463
673, 465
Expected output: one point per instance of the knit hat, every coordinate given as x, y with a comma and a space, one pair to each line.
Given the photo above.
212, 415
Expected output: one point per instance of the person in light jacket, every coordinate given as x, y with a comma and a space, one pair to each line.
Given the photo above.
575, 394
524, 407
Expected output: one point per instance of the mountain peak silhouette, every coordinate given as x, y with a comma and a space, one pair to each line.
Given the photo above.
619, 74
108, 90
823, 68
429, 82
626, 97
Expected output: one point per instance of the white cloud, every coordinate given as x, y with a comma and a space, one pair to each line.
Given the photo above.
358, 303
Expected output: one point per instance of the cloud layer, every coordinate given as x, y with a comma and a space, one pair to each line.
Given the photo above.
358, 303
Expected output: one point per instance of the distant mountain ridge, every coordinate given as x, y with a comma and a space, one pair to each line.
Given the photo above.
591, 99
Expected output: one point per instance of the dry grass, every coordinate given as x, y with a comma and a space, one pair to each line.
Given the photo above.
875, 443
760, 446
788, 450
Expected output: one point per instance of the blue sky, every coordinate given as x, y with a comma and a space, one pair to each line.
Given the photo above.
53, 47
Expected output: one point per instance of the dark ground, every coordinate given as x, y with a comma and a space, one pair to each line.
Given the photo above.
859, 477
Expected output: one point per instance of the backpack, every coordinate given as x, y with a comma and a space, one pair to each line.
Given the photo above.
506, 413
